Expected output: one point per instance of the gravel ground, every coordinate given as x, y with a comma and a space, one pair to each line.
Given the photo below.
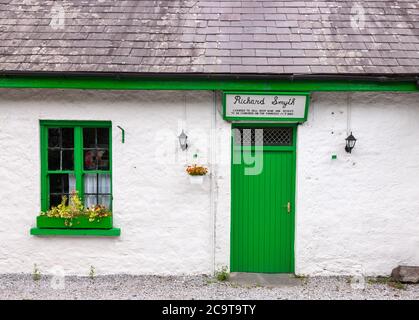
193, 287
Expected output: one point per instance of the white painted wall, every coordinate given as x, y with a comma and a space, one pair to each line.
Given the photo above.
165, 221
356, 214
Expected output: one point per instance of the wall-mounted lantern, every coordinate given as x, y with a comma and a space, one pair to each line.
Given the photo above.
350, 143
183, 141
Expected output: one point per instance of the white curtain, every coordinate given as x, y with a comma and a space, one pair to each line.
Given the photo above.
71, 183
92, 184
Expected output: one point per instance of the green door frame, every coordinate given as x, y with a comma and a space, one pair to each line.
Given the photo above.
293, 149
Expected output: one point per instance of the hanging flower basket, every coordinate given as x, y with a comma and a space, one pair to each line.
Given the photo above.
196, 173
196, 179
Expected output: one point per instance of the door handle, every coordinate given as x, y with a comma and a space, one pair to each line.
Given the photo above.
289, 207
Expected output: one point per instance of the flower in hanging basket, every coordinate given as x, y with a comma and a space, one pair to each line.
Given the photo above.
195, 170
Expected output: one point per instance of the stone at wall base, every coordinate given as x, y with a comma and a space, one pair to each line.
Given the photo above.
406, 274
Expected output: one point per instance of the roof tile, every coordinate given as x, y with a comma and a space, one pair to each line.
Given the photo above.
225, 36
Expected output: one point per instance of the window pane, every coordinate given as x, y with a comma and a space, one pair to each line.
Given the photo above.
96, 148
68, 161
105, 201
90, 160
90, 201
97, 189
89, 138
67, 137
54, 159
96, 160
72, 183
90, 183
103, 159
54, 200
93, 200
60, 185
61, 149
53, 137
103, 138
104, 183
97, 183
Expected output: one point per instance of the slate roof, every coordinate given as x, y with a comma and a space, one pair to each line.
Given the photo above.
227, 36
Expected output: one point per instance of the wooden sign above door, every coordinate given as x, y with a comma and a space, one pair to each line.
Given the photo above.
266, 106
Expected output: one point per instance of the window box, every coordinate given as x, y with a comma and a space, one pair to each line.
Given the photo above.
76, 223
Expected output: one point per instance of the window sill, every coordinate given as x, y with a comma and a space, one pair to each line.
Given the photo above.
114, 232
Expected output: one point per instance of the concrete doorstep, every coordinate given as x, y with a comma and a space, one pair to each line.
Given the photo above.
264, 279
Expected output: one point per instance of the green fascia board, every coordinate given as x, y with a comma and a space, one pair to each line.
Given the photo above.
114, 232
192, 83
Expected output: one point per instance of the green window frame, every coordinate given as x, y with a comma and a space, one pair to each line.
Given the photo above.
52, 226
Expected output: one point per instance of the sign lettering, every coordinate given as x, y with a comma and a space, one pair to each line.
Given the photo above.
286, 107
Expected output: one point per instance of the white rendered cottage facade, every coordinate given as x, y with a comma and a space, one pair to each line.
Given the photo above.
304, 113
354, 212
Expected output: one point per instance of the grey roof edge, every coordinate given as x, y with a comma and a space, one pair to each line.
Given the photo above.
384, 77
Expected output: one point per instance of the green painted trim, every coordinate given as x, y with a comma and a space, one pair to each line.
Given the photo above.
262, 125
114, 232
44, 167
110, 165
77, 223
122, 134
161, 83
293, 197
291, 120
79, 161
73, 123
58, 171
78, 171
96, 171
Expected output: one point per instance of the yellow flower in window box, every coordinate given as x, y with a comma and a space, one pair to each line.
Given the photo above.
72, 214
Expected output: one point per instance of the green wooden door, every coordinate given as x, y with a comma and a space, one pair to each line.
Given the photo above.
262, 224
